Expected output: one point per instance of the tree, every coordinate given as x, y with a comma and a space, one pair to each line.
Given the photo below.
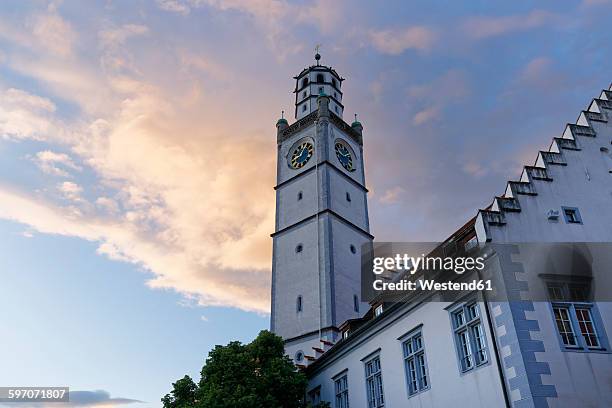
183, 394
254, 375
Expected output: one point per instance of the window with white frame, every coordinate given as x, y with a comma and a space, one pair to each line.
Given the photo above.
469, 336
374, 383
415, 364
341, 390
574, 316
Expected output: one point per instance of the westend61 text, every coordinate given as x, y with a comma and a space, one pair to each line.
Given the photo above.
428, 284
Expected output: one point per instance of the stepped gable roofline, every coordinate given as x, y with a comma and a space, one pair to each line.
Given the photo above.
599, 110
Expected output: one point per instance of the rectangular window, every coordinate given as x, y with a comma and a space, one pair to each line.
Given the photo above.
564, 325
572, 215
469, 336
576, 319
415, 364
374, 384
341, 388
576, 326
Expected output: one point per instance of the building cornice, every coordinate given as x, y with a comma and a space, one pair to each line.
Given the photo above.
326, 211
323, 163
312, 118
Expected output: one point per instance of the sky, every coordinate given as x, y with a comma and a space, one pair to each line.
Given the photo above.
137, 157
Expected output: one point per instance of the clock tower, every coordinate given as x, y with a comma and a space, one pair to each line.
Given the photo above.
321, 217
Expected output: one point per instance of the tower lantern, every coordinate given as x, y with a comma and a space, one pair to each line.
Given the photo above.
314, 81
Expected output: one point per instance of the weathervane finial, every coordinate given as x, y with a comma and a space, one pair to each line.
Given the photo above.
317, 55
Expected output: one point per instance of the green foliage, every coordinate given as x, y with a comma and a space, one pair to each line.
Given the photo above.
255, 375
183, 394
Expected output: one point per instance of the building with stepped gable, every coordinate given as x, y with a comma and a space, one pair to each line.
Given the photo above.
468, 352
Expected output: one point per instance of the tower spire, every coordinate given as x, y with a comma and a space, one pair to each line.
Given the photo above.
317, 55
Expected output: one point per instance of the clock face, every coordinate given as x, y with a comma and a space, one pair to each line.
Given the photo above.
344, 155
301, 155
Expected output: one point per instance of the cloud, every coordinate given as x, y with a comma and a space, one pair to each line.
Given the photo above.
174, 6
55, 164
426, 115
474, 169
396, 41
70, 190
489, 26
27, 116
455, 86
53, 33
392, 195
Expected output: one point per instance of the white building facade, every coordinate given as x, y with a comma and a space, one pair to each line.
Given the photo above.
439, 354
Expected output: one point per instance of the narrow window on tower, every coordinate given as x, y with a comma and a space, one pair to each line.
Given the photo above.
299, 248
353, 249
300, 196
321, 90
320, 78
304, 108
305, 82
348, 196
298, 304
356, 303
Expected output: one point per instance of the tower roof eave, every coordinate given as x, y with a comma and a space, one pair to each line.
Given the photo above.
319, 68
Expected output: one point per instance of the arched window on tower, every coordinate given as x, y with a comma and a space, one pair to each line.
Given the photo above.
320, 78
304, 82
335, 83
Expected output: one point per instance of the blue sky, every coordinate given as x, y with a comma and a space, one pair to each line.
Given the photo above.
137, 157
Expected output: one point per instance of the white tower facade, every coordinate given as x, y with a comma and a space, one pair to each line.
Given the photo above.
321, 219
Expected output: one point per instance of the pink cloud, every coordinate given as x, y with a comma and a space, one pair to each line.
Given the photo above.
485, 27
396, 41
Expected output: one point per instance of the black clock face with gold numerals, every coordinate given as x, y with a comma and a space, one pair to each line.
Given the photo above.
344, 155
301, 155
